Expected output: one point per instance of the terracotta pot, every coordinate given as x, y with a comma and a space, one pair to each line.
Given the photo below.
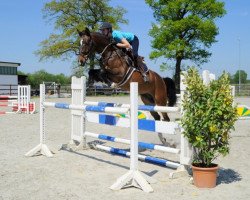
205, 177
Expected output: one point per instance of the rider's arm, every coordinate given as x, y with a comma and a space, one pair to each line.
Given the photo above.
124, 43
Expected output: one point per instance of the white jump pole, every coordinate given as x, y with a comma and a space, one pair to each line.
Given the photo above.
133, 177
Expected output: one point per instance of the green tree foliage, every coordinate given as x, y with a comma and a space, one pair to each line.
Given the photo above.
243, 77
70, 15
20, 73
184, 30
36, 78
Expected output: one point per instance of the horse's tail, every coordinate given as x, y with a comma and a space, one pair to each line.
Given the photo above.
171, 92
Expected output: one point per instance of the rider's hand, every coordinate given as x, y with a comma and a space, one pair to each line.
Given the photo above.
129, 49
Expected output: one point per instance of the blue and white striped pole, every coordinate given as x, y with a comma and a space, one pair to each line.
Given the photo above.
144, 145
91, 108
140, 107
148, 159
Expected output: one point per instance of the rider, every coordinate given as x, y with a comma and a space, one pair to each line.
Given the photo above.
125, 40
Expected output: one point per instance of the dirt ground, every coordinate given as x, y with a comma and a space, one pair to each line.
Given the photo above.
88, 174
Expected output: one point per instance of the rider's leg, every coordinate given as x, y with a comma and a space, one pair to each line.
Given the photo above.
142, 68
135, 46
138, 60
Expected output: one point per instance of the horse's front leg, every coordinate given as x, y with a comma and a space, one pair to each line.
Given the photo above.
104, 77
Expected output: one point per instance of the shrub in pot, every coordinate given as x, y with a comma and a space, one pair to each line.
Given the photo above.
209, 115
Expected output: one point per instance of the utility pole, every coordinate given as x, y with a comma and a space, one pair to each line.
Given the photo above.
239, 66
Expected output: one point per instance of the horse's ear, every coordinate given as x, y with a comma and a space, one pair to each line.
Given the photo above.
79, 32
87, 31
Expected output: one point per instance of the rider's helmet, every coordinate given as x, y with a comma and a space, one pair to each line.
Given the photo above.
106, 25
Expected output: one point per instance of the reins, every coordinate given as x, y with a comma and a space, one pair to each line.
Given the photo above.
128, 72
105, 49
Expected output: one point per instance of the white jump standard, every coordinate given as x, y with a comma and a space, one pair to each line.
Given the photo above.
133, 177
20, 103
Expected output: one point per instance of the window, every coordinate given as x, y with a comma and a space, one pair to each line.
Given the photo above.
8, 70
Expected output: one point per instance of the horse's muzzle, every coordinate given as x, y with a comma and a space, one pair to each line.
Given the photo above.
82, 60
81, 63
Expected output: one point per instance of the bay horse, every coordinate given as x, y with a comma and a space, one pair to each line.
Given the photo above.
117, 67
95, 75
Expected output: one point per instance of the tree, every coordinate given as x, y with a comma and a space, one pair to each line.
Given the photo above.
185, 29
70, 15
36, 78
20, 73
243, 77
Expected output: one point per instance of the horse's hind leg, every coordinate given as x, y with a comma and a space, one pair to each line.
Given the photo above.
147, 99
161, 100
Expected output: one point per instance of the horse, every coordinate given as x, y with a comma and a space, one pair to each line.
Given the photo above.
117, 66
95, 75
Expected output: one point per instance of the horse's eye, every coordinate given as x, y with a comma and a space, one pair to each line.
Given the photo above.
81, 41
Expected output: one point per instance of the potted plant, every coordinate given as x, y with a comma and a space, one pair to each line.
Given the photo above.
208, 116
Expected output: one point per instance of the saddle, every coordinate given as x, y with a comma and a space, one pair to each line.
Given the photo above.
136, 62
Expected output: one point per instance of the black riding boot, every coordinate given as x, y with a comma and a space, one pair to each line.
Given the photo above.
142, 68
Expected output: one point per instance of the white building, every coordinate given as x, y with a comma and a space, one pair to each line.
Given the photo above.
8, 78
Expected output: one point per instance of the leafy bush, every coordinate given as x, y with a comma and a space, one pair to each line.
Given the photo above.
209, 115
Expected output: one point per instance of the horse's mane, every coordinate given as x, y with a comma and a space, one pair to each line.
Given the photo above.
99, 35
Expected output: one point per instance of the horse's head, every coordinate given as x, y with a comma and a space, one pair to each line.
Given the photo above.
92, 42
86, 46
112, 62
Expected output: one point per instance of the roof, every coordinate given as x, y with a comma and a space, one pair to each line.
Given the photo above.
9, 64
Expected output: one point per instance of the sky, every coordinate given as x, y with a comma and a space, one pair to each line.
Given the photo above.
23, 28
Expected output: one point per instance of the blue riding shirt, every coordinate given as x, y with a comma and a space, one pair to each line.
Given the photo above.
118, 36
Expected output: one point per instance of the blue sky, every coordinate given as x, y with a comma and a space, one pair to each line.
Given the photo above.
23, 28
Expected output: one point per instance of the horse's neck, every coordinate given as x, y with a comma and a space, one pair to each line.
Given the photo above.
100, 40
117, 67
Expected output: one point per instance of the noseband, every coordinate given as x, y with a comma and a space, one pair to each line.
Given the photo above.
86, 55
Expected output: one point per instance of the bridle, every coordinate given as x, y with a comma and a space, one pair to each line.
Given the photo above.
86, 54
102, 60
91, 47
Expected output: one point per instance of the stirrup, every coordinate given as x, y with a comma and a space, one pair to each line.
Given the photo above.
145, 77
